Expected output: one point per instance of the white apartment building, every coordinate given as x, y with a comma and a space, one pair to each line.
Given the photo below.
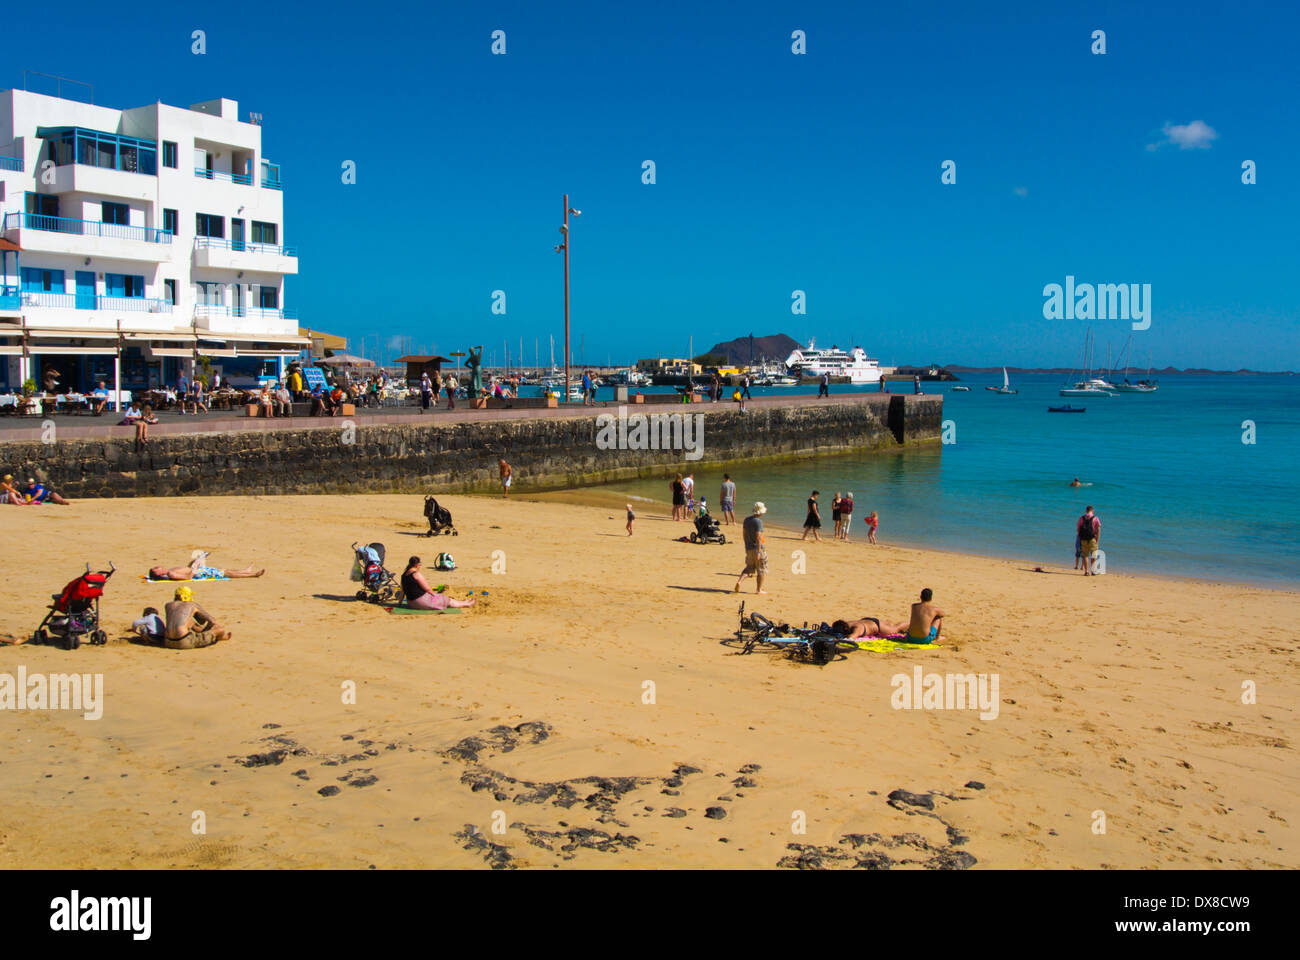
136, 241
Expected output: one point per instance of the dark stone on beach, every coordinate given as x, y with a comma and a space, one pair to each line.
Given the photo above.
673, 782
270, 726
363, 781
347, 736
329, 791
271, 759
685, 770
744, 782
715, 813
466, 749
301, 774
903, 797
675, 813
671, 793
974, 785
750, 768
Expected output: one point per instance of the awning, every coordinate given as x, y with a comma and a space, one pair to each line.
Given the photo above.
10, 351
70, 333
273, 338
161, 335
206, 352
9, 246
74, 351
185, 352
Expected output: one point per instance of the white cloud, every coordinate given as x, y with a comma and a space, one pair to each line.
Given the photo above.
1197, 135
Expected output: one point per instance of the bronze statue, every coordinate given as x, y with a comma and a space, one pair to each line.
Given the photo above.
474, 361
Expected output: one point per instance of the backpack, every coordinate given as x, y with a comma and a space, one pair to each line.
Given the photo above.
444, 561
1086, 528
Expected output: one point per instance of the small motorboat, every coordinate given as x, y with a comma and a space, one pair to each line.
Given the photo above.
961, 389
1067, 409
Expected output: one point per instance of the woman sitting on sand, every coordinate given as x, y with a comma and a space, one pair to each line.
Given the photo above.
420, 596
198, 570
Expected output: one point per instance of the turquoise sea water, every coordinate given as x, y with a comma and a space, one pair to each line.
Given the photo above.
1177, 490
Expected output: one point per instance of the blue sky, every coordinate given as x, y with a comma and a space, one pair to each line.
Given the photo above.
775, 172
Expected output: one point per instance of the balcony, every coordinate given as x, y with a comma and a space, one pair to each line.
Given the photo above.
242, 178
38, 233
252, 313
87, 301
226, 320
12, 163
216, 253
271, 175
10, 299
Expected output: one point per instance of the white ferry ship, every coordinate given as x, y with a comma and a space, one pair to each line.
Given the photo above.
855, 365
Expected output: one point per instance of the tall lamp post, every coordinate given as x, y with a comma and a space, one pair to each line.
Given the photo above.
564, 248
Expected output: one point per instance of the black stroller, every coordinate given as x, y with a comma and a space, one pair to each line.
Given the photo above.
439, 519
378, 583
75, 612
707, 529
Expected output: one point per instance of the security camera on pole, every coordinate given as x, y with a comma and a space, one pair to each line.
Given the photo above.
565, 248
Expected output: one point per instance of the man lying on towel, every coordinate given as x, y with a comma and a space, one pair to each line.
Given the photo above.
199, 570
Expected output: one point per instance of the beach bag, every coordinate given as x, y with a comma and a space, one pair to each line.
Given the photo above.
358, 571
444, 561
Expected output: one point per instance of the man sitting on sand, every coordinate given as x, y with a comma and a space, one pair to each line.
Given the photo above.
189, 626
925, 621
198, 570
865, 628
39, 493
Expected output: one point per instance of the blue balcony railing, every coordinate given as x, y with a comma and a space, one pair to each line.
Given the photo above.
244, 178
90, 301
272, 184
246, 246
11, 163
86, 228
10, 298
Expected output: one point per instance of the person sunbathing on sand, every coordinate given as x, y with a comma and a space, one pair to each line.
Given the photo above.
865, 627
923, 627
198, 570
189, 626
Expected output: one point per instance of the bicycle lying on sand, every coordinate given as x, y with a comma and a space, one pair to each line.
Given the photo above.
817, 645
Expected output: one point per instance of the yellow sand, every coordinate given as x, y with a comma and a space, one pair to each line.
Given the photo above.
1119, 696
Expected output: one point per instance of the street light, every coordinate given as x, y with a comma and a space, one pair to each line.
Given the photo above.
564, 247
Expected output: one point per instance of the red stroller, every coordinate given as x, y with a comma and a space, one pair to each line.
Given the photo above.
75, 612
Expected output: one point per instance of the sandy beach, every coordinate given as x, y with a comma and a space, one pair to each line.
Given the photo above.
519, 734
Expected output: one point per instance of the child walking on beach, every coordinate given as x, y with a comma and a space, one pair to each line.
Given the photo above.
630, 517
872, 521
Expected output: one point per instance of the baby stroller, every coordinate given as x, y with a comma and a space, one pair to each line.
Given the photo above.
75, 612
707, 528
378, 583
439, 519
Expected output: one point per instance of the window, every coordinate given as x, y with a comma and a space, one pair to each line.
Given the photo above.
123, 285
116, 213
169, 291
270, 298
264, 232
169, 154
40, 280
208, 225
171, 221
42, 205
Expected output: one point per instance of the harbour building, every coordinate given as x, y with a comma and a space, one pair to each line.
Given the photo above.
137, 242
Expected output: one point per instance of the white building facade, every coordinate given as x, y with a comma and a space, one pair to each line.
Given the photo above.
135, 242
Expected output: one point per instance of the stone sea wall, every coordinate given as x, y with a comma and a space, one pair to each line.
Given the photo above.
546, 452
